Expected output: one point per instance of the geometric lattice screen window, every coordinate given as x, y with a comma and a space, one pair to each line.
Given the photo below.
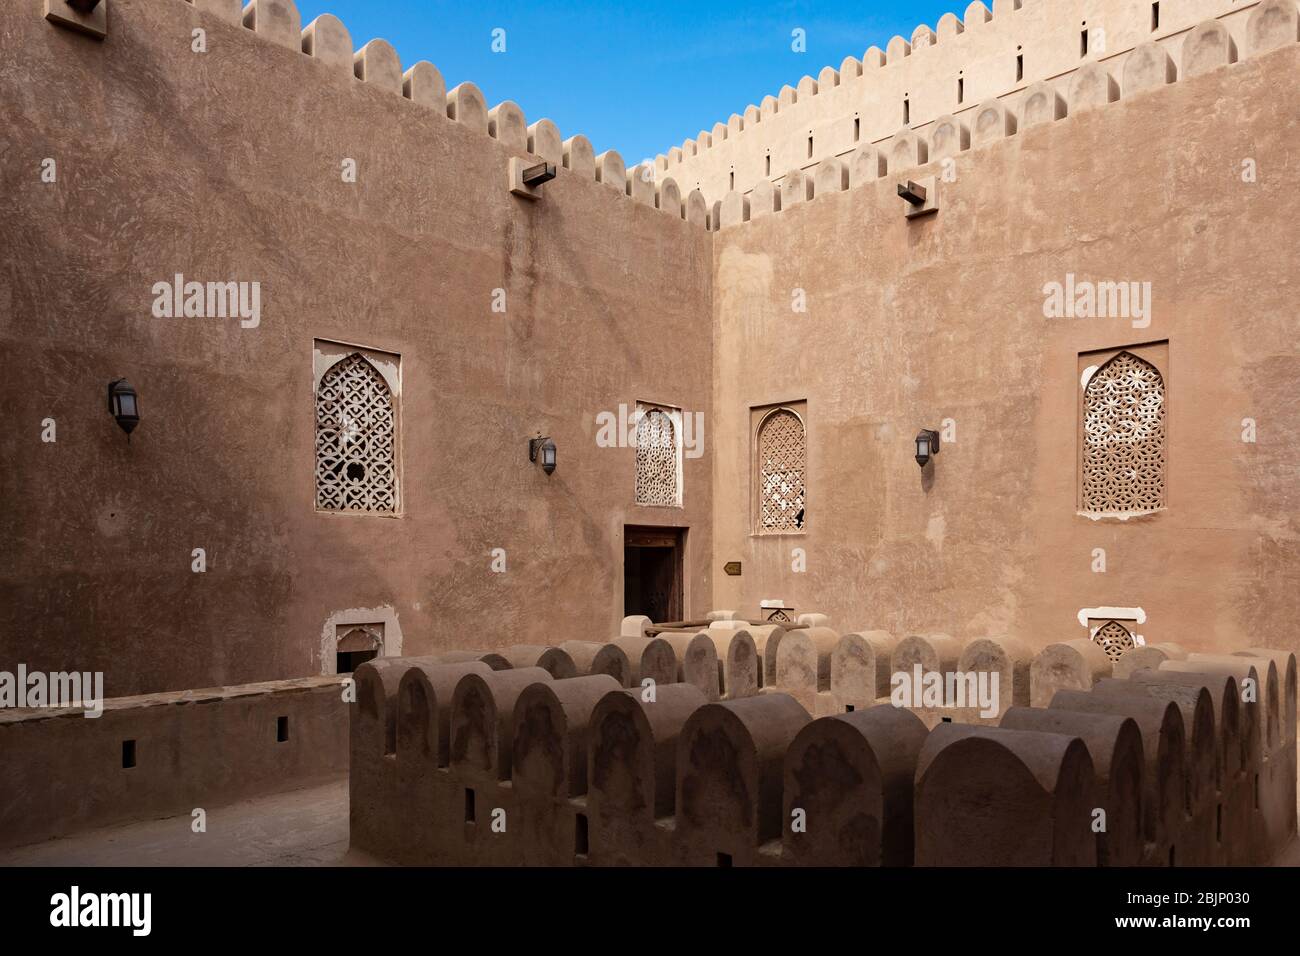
1114, 639
1124, 437
658, 458
355, 439
782, 451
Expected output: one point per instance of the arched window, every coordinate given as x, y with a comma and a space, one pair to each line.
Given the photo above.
355, 438
1124, 438
658, 458
782, 448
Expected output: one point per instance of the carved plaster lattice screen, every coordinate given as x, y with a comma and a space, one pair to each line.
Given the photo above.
782, 449
658, 458
355, 439
1113, 638
1124, 438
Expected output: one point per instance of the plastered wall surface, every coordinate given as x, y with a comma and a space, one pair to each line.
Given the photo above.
226, 165
911, 322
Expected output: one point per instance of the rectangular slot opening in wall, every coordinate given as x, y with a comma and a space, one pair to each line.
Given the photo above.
1155, 17
810, 147
733, 180
1083, 43
857, 129
724, 859
580, 835
961, 90
281, 729
767, 165
128, 754
907, 111
848, 708
1020, 67
469, 805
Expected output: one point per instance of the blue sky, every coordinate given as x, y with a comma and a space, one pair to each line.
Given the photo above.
636, 77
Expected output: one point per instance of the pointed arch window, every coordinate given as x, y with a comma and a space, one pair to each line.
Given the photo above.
355, 439
781, 459
658, 456
1124, 437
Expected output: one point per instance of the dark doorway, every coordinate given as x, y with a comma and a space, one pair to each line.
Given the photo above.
348, 661
652, 572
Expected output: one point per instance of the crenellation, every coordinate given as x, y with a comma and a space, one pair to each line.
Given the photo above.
697, 211
948, 136
796, 187
422, 83
544, 142
1011, 55
465, 105
668, 197
977, 14
579, 156
993, 121
275, 20
830, 176
506, 124
1148, 66
1273, 23
1091, 86
1041, 103
378, 65
764, 199
611, 171
326, 39
1207, 47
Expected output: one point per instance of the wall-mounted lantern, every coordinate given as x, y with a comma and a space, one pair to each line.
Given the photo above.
927, 445
546, 448
124, 405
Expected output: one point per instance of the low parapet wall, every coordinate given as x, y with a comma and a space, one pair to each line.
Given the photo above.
161, 754
1173, 766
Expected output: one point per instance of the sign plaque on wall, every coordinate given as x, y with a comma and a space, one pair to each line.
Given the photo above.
732, 568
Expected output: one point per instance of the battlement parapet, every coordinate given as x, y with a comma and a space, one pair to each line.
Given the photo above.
376, 64
971, 83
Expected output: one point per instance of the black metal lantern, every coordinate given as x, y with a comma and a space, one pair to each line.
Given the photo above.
124, 405
547, 449
927, 445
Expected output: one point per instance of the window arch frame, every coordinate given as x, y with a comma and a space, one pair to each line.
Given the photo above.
329, 355
1155, 354
760, 416
640, 411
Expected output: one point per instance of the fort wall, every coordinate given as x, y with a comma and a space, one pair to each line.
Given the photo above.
914, 323
227, 165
